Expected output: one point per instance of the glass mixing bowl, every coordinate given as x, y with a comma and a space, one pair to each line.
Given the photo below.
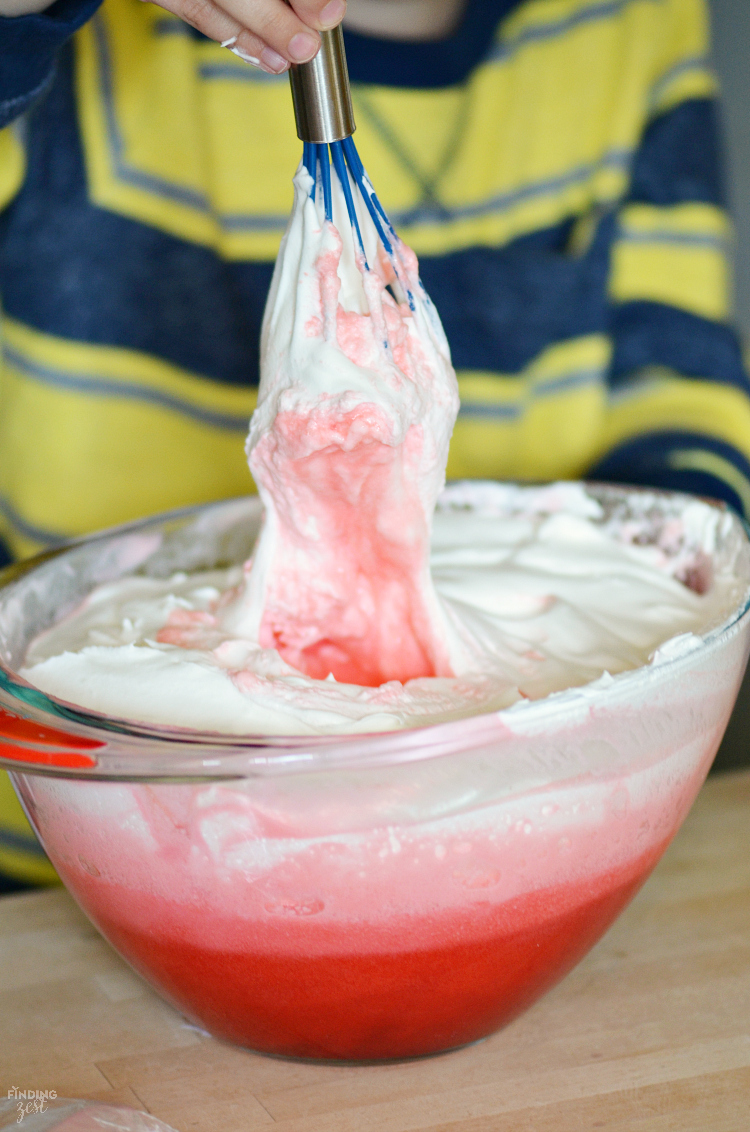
355, 898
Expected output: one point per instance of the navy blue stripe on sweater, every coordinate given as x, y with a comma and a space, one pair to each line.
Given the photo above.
28, 49
446, 62
502, 306
653, 460
679, 158
652, 334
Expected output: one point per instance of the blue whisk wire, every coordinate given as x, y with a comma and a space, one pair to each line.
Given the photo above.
339, 164
374, 207
322, 102
310, 162
347, 163
325, 178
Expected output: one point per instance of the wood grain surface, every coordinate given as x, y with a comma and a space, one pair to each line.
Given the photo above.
651, 1033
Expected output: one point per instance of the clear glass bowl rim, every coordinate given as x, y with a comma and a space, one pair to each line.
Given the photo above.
128, 751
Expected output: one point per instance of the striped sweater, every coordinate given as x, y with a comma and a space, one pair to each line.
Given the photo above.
554, 164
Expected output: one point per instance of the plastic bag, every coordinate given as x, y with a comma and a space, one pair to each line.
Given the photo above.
40, 1113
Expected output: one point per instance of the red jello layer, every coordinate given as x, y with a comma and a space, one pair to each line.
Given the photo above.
348, 1003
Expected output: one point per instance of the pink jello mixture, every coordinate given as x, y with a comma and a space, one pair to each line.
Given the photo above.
314, 919
367, 561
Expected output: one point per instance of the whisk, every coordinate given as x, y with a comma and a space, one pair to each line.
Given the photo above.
325, 121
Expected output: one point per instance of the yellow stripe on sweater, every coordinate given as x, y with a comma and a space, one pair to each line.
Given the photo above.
543, 423
661, 400
126, 373
700, 460
69, 407
12, 165
688, 79
676, 256
557, 419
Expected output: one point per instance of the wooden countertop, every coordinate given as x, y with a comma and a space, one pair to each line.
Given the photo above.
651, 1033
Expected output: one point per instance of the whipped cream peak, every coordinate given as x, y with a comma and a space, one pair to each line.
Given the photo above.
348, 448
334, 337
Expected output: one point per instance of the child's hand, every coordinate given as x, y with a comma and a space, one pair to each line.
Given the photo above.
269, 33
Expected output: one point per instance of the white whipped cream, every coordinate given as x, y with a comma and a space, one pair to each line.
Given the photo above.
342, 622
546, 590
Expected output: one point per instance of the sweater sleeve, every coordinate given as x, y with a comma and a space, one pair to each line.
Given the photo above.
28, 48
679, 395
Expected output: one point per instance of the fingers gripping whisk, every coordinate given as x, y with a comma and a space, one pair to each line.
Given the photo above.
325, 123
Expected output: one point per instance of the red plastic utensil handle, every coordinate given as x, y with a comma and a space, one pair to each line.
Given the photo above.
71, 760
14, 727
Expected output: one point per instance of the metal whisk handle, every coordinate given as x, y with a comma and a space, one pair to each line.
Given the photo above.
320, 93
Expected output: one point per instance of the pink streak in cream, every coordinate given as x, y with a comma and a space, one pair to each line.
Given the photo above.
348, 448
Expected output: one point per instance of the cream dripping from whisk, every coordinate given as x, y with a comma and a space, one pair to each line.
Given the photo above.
348, 447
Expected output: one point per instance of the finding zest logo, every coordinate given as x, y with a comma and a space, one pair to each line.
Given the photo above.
29, 1101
